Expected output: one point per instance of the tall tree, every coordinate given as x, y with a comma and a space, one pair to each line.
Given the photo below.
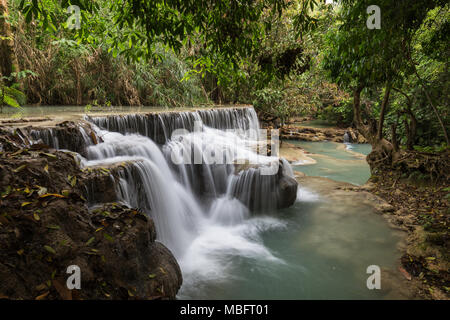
8, 60
373, 60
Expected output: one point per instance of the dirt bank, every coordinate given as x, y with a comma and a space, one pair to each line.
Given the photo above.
422, 210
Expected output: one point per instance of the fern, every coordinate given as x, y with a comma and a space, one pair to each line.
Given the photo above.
10, 101
11, 96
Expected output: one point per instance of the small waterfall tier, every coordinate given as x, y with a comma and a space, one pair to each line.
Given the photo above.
68, 135
160, 126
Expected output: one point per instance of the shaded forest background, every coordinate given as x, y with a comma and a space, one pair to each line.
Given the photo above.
292, 58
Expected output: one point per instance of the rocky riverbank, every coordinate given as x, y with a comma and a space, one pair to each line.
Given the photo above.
422, 210
46, 226
304, 133
295, 129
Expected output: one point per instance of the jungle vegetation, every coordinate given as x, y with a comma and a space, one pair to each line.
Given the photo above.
287, 58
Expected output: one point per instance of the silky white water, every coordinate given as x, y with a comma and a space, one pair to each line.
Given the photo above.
192, 200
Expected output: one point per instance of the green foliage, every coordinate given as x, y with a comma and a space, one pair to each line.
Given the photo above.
71, 70
272, 102
431, 149
431, 62
219, 31
10, 95
400, 55
341, 114
286, 57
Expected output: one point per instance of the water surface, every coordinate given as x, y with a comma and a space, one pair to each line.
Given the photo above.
316, 249
336, 161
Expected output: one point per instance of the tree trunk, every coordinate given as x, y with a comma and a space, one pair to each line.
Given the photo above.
367, 131
412, 130
8, 60
357, 119
384, 105
394, 137
382, 150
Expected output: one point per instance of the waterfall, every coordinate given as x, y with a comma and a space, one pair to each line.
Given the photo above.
160, 126
66, 136
199, 184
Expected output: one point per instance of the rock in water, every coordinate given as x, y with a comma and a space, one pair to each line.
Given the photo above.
287, 192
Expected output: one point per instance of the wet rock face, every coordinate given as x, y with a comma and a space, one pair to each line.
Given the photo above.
69, 135
264, 192
287, 192
46, 226
101, 181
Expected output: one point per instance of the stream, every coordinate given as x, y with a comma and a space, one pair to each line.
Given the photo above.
315, 249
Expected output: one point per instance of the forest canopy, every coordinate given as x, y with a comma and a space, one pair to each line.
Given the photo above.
285, 57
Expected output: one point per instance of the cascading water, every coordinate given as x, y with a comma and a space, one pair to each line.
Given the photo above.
160, 126
199, 185
205, 212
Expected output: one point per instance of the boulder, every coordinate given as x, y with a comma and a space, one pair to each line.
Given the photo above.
287, 192
262, 193
47, 226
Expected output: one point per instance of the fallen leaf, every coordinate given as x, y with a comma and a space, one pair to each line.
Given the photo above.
41, 287
65, 293
6, 192
73, 181
20, 168
42, 191
52, 195
49, 155
49, 249
405, 273
108, 237
42, 296
90, 241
